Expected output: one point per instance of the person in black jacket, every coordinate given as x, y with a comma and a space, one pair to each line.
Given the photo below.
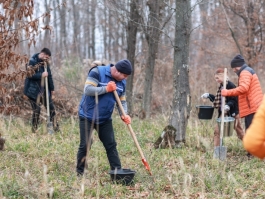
34, 91
230, 108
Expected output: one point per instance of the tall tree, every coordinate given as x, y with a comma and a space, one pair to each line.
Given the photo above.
152, 34
131, 47
76, 25
93, 29
47, 32
63, 35
181, 100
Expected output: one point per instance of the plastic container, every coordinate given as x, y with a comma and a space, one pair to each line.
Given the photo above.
122, 176
205, 112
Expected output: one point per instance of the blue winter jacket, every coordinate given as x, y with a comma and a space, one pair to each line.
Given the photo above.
106, 102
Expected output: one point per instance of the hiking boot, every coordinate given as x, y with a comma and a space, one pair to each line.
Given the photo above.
56, 128
34, 129
79, 174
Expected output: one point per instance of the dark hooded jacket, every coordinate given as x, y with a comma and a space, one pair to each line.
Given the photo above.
32, 87
232, 102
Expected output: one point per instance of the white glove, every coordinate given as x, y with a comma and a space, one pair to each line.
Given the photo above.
205, 95
226, 108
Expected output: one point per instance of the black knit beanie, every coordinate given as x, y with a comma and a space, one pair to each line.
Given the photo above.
124, 66
237, 61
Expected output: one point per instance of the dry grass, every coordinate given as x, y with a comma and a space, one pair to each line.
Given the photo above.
43, 166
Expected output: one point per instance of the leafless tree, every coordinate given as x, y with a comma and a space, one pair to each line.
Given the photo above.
153, 30
131, 47
181, 100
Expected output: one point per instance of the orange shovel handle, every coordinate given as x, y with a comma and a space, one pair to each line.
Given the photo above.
132, 133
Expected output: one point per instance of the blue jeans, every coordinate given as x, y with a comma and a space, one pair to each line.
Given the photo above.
106, 136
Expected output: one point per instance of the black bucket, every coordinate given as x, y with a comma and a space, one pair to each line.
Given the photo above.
122, 176
205, 112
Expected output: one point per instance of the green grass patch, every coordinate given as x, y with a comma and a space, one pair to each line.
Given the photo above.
42, 165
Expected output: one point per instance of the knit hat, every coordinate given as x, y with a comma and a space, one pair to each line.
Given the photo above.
237, 61
124, 66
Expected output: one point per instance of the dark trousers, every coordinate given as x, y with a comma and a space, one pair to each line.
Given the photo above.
248, 120
36, 111
106, 136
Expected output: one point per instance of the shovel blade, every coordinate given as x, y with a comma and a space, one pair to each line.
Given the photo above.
220, 153
50, 127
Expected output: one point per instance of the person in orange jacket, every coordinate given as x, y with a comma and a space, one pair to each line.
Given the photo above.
254, 140
249, 91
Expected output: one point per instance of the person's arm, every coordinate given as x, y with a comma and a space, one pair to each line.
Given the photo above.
126, 118
124, 104
243, 86
211, 97
92, 82
232, 100
254, 140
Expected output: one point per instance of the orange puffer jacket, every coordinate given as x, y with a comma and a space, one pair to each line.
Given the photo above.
248, 91
254, 140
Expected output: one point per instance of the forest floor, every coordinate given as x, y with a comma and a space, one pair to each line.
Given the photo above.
41, 165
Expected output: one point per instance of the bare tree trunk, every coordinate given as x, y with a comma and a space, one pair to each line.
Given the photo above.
62, 31
56, 30
109, 36
153, 33
131, 47
116, 38
93, 29
47, 34
105, 17
181, 99
76, 27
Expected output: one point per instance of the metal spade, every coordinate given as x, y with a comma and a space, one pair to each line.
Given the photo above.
220, 151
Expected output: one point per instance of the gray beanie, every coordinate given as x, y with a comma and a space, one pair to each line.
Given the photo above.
124, 66
237, 61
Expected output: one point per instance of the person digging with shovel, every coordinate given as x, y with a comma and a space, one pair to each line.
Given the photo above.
230, 108
35, 91
96, 107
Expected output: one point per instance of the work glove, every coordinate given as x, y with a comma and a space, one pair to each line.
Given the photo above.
205, 95
226, 108
111, 86
126, 119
